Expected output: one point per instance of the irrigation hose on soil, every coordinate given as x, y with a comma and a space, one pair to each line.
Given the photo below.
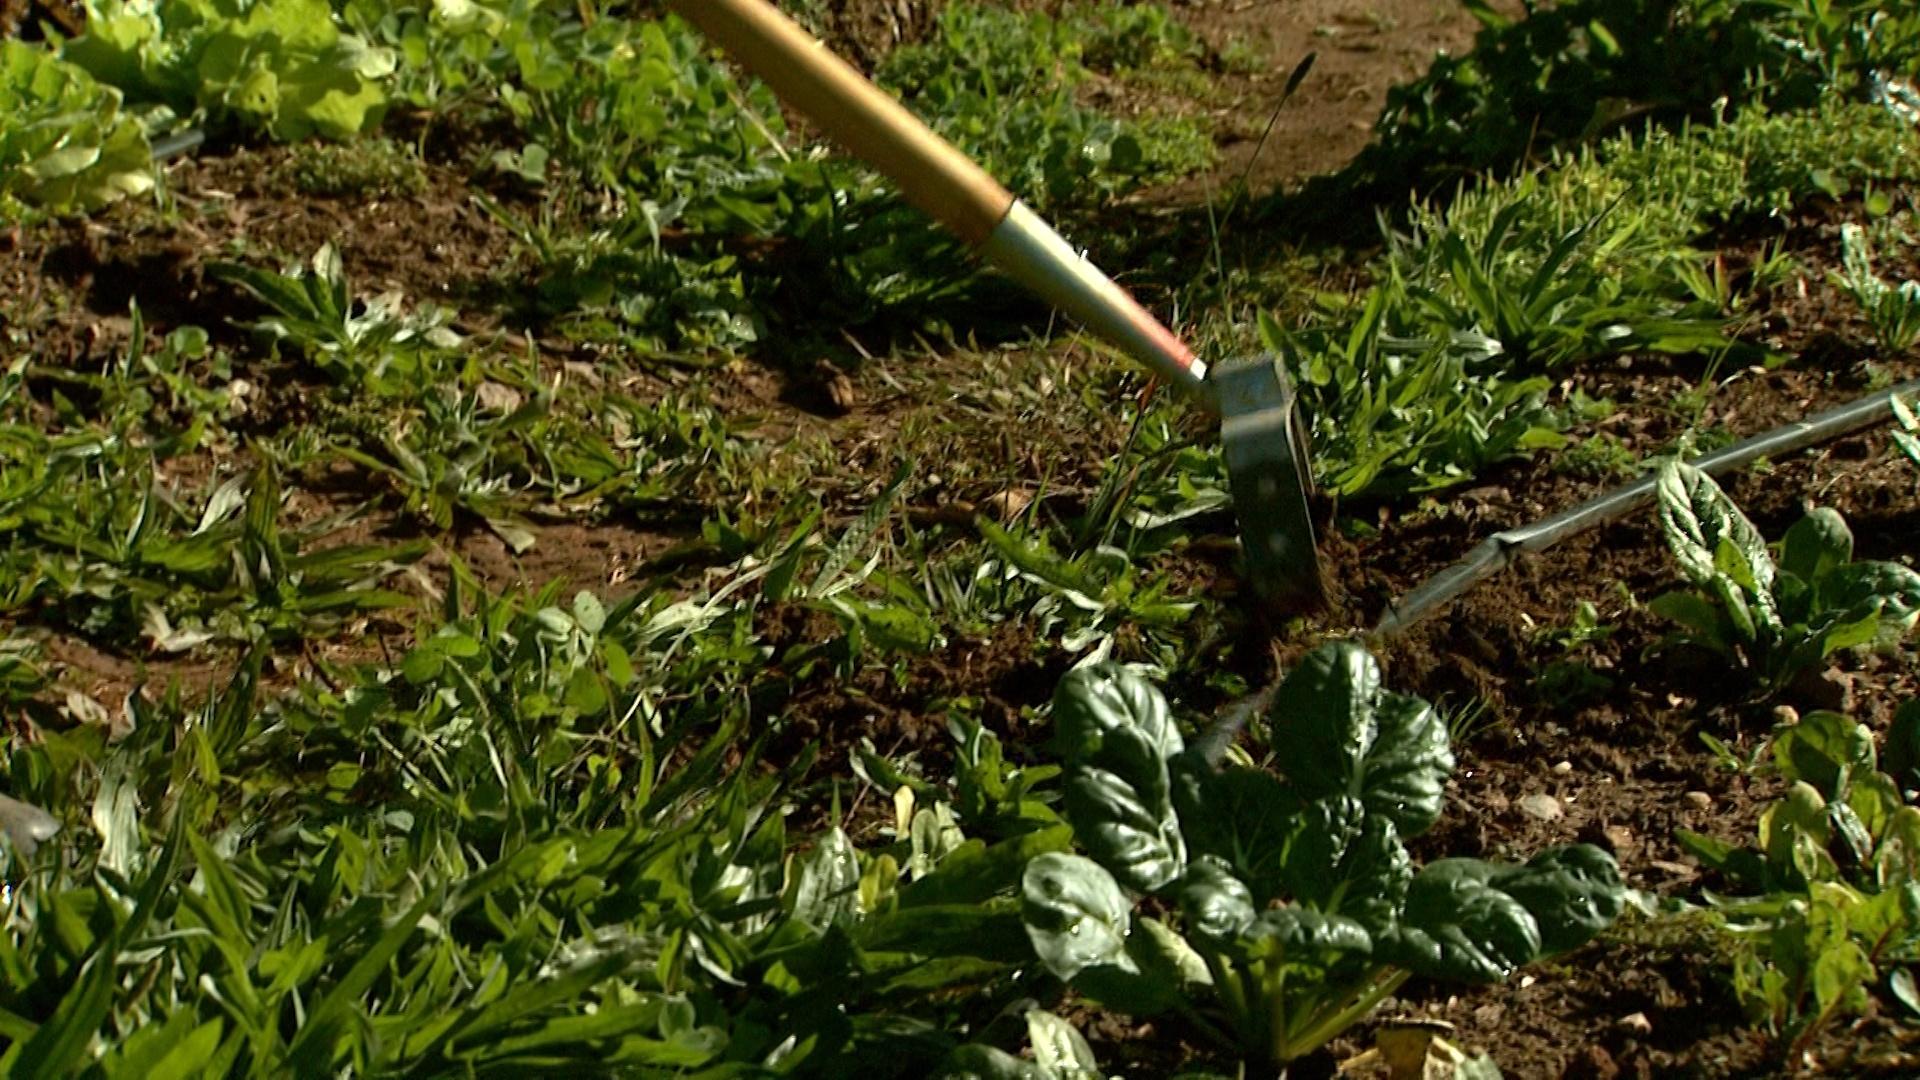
1499, 550
180, 142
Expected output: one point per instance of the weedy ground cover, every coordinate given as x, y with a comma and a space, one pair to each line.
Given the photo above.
722, 637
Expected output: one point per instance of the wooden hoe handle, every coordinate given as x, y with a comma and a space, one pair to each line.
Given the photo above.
931, 173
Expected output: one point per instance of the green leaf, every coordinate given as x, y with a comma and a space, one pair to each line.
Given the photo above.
1888, 590
176, 1050
973, 872
65, 144
1714, 543
1457, 925
1704, 623
533, 996
1301, 939
1743, 866
1113, 729
1816, 545
61, 1042
827, 882
1902, 757
1795, 833
1216, 904
1824, 749
1076, 915
315, 1045
1058, 1049
1345, 736
1254, 824
1573, 893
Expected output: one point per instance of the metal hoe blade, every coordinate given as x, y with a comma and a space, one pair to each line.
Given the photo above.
1268, 470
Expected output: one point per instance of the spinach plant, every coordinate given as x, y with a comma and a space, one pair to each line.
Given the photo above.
1780, 616
1293, 906
1828, 901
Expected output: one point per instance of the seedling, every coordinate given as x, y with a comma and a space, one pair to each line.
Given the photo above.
1893, 311
1778, 617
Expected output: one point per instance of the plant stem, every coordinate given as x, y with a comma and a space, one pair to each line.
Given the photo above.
1380, 984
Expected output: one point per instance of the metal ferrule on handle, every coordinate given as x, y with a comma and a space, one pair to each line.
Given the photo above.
1029, 250
940, 180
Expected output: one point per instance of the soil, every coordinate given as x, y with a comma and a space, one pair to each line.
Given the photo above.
1599, 741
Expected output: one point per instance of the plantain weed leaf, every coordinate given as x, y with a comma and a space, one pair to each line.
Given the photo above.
1572, 892
314, 1047
1059, 1049
987, 931
15, 1029
175, 1050
61, 1041
1117, 737
1900, 983
974, 872
1340, 734
26, 826
532, 996
1457, 925
1075, 914
827, 882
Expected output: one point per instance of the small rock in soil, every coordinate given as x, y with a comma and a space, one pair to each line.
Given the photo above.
1617, 838
841, 393
1563, 767
1636, 1023
1600, 1064
1699, 800
1679, 870
1540, 807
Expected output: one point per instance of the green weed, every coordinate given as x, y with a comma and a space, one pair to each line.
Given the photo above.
366, 167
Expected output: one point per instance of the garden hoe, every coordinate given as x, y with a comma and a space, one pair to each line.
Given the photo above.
1261, 436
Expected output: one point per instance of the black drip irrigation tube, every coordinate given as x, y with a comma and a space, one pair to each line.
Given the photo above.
1498, 551
180, 142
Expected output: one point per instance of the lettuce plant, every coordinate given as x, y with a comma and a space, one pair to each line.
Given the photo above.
1293, 907
283, 66
65, 143
1779, 616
